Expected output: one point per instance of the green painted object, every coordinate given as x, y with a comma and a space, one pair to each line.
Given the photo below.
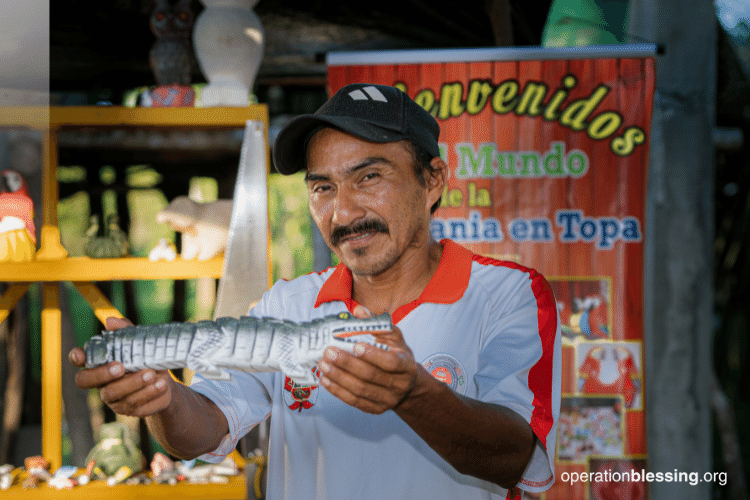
115, 449
574, 23
114, 244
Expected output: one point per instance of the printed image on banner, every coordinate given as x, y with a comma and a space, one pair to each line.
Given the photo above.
613, 478
590, 425
548, 158
584, 306
611, 368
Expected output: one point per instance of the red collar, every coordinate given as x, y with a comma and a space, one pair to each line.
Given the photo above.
446, 286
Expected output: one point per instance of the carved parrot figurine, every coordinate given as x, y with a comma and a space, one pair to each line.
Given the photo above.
17, 230
15, 200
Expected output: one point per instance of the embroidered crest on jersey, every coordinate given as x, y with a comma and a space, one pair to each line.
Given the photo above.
448, 370
300, 397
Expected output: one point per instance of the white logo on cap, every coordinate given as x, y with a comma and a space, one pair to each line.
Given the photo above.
373, 92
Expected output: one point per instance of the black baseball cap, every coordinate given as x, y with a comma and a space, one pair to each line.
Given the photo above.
375, 113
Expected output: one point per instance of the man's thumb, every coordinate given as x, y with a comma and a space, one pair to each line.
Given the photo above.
361, 311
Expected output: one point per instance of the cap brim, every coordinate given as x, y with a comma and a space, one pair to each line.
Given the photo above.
289, 148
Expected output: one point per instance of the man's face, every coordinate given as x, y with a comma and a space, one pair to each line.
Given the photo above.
366, 200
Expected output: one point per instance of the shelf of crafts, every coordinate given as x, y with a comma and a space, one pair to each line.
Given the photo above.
126, 268
52, 264
234, 489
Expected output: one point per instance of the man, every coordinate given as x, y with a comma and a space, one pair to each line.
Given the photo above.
463, 404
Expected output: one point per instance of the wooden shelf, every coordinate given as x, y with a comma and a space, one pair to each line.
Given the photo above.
126, 268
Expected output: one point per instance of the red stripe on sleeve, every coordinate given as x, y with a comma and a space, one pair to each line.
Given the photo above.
514, 493
541, 376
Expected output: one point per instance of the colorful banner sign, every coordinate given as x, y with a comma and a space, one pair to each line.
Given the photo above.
548, 156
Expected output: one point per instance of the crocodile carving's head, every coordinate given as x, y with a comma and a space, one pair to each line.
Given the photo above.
350, 329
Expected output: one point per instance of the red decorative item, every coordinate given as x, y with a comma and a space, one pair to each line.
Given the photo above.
161, 464
301, 396
15, 200
626, 373
36, 462
173, 96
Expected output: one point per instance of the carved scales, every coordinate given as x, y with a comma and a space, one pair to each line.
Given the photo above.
246, 344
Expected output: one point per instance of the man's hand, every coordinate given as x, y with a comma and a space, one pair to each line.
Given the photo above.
371, 379
137, 394
458, 428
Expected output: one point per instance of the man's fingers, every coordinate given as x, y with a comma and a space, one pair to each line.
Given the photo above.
379, 357
127, 385
366, 395
137, 394
138, 397
77, 357
361, 311
395, 360
393, 338
114, 323
378, 368
160, 402
348, 397
100, 376
336, 361
398, 359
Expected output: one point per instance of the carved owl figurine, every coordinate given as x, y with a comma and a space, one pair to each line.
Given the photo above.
171, 57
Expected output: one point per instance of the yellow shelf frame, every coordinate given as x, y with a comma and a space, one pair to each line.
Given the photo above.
126, 268
235, 488
52, 264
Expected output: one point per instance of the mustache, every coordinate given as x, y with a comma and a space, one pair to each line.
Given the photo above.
365, 226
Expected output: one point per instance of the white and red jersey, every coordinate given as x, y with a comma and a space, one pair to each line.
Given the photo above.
487, 328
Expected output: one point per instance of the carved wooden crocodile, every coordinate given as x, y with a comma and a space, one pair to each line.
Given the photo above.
248, 344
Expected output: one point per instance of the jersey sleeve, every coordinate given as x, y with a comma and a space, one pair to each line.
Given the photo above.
520, 367
245, 400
